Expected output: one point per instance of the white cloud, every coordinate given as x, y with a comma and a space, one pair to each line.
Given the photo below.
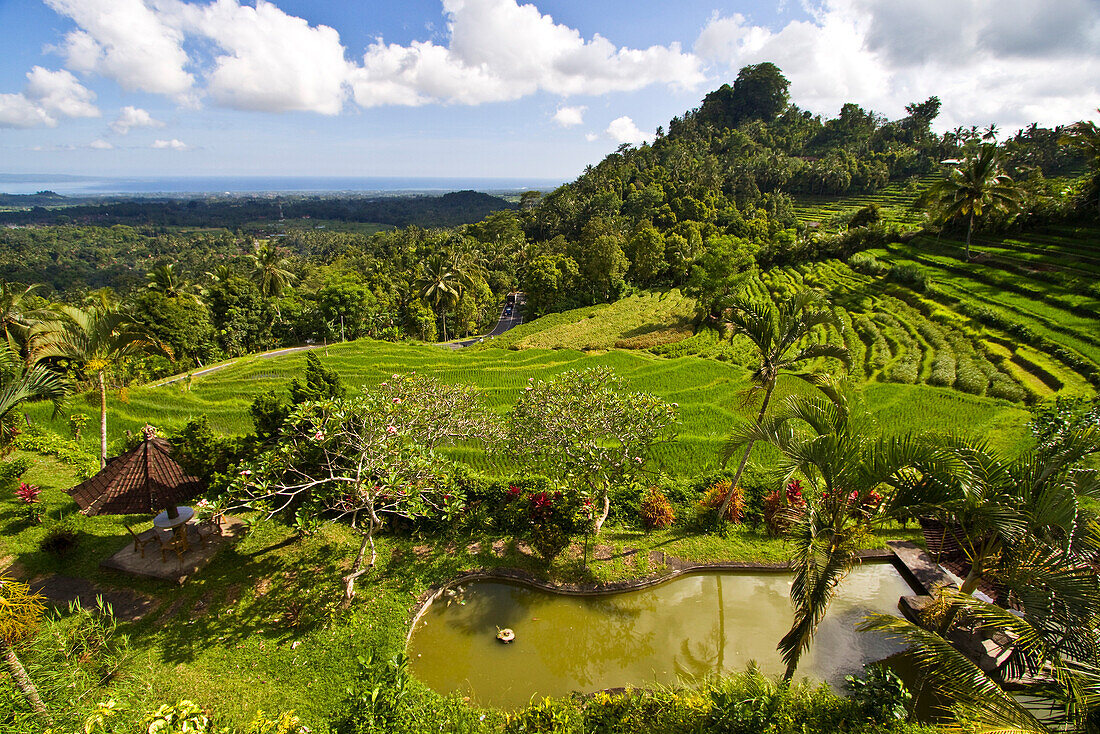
272, 61
569, 116
591, 137
623, 130
172, 144
131, 117
128, 41
262, 58
500, 50
100, 145
47, 96
988, 61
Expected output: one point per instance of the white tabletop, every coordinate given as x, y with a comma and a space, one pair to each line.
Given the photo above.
163, 521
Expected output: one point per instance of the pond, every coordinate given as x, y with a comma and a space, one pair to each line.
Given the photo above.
692, 626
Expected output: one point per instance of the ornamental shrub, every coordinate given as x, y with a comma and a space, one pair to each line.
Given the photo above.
717, 494
656, 510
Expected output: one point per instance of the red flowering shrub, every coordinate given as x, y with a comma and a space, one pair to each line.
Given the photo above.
717, 494
656, 510
28, 493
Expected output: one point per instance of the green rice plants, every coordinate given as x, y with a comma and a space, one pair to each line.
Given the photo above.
868, 264
909, 276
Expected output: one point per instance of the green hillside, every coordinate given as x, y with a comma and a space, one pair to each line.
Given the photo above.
711, 395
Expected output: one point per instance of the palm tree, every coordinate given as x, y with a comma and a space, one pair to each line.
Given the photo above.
439, 285
20, 611
1085, 137
164, 279
15, 316
18, 384
99, 339
777, 331
270, 270
972, 187
857, 477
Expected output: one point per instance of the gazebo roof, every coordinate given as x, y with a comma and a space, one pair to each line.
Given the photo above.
144, 479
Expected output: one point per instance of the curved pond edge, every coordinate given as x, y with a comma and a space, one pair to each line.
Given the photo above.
679, 568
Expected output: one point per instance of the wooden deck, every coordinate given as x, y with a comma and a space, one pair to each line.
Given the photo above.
169, 567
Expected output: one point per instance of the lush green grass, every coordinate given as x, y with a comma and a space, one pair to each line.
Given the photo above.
636, 322
711, 395
249, 632
895, 203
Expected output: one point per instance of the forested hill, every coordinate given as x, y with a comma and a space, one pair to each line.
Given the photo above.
449, 210
719, 185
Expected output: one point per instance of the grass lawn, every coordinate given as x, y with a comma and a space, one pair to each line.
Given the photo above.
250, 631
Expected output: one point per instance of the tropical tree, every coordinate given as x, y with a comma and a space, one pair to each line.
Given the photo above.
977, 185
1023, 530
17, 316
586, 425
99, 339
778, 331
20, 612
856, 476
18, 384
439, 285
367, 457
165, 279
270, 270
1085, 137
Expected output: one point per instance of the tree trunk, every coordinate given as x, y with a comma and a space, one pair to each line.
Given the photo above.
102, 421
24, 682
969, 230
357, 568
745, 459
605, 512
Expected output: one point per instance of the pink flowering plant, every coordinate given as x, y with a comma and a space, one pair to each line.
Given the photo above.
31, 507
366, 458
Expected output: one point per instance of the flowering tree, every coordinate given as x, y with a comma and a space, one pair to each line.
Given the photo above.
365, 457
587, 428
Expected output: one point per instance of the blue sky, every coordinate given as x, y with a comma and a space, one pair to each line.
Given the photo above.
490, 87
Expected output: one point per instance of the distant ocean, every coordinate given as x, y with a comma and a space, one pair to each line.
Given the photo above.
181, 185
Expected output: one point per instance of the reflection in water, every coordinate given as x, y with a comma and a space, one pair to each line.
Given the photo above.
690, 627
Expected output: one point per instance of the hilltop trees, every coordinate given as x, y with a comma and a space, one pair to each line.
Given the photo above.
758, 93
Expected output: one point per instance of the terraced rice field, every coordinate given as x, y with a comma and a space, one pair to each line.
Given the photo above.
895, 204
1033, 299
711, 395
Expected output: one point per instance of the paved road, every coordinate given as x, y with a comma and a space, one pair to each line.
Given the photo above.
504, 323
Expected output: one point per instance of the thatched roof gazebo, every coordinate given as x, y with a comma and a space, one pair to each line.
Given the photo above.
145, 479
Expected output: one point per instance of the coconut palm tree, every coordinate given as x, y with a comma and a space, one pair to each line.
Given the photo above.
856, 476
165, 279
777, 331
16, 317
99, 339
20, 612
973, 187
270, 270
439, 285
1085, 137
1049, 655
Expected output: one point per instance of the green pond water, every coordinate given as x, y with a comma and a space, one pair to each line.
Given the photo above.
690, 627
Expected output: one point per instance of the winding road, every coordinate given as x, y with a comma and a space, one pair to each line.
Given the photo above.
511, 316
